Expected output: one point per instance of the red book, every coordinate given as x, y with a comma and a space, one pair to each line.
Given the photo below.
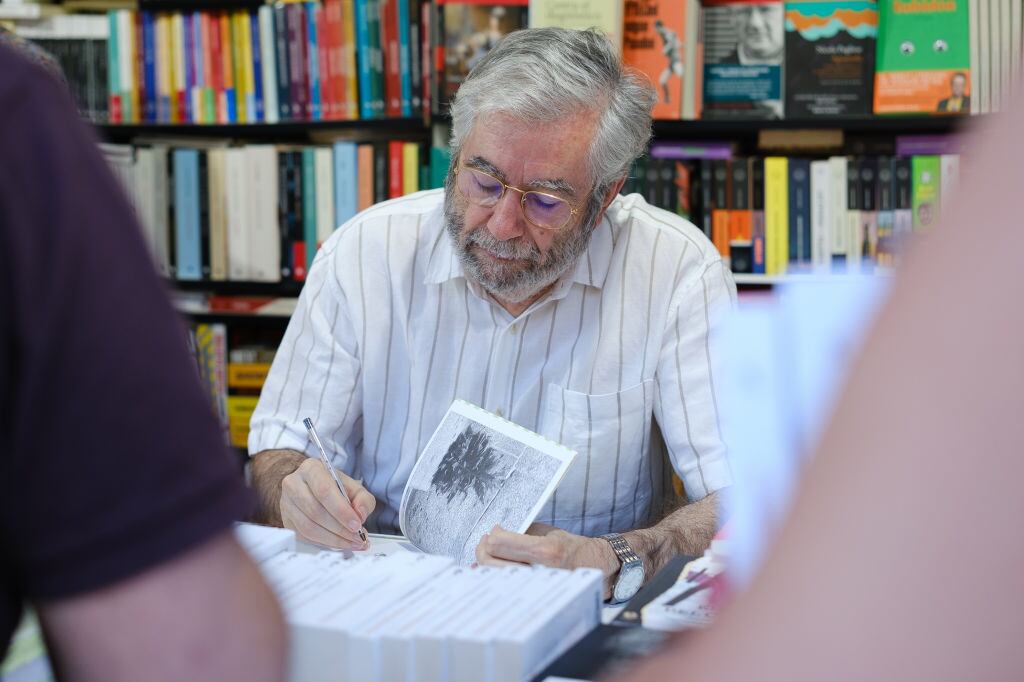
323, 48
395, 153
299, 261
336, 58
392, 61
236, 304
216, 75
425, 10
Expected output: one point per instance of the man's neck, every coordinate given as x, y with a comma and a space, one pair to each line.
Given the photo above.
515, 309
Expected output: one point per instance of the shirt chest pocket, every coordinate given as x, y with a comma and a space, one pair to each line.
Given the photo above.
610, 433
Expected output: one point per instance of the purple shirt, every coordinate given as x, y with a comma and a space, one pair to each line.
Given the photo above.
111, 460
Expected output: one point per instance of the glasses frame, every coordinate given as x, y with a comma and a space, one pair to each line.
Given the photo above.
505, 187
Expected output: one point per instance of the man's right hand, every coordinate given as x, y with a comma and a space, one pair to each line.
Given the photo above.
314, 508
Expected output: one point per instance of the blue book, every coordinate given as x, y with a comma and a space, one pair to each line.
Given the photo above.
309, 204
257, 66
313, 60
284, 94
190, 67
405, 63
188, 251
346, 182
200, 68
799, 210
149, 67
366, 109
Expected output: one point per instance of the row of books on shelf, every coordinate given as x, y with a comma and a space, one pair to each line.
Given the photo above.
366, 59
777, 215
259, 212
232, 376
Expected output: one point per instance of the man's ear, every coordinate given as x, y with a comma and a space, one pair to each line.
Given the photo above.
613, 191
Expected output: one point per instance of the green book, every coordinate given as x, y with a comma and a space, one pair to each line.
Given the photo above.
924, 57
925, 191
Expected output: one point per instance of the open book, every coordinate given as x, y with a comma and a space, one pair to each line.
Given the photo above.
477, 471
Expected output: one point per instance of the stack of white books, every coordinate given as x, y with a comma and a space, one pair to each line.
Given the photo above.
414, 616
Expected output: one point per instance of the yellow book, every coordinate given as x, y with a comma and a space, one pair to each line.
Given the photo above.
776, 214
241, 407
247, 66
226, 98
239, 26
351, 78
410, 168
247, 374
163, 67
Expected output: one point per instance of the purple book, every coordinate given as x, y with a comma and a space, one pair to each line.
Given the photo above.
924, 145
692, 150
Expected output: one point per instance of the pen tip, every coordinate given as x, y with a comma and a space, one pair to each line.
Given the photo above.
362, 535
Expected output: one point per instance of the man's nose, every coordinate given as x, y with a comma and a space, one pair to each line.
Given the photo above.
506, 221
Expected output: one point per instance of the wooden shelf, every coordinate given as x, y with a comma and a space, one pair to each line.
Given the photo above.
890, 125
286, 289
277, 132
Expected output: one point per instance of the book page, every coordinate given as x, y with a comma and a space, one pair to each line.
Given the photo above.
477, 471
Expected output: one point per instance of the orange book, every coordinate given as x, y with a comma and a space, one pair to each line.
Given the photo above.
720, 196
740, 215
364, 165
227, 96
652, 42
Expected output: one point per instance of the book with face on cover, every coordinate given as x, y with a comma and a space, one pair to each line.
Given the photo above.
477, 471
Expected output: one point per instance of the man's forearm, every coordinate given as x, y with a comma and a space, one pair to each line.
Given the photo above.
688, 530
268, 470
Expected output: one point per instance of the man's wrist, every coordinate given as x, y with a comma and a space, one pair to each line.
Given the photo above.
609, 560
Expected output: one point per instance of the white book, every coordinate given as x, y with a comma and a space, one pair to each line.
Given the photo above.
837, 164
821, 215
323, 163
1006, 57
513, 474
217, 202
264, 542
949, 179
236, 214
263, 228
691, 60
161, 228
269, 65
126, 62
145, 208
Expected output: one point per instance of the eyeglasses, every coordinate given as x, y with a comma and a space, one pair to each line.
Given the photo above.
543, 210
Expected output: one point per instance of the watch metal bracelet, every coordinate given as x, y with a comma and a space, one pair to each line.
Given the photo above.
621, 548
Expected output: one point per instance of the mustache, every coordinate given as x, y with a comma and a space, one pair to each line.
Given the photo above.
503, 249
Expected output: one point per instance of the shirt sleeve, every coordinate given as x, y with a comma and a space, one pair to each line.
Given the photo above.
685, 403
111, 459
316, 371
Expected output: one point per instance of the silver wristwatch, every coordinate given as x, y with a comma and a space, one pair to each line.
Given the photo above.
631, 570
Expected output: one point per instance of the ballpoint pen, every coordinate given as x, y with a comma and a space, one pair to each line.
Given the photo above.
330, 469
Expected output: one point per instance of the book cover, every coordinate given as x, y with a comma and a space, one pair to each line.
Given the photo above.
924, 63
652, 43
471, 29
830, 57
743, 59
926, 181
604, 15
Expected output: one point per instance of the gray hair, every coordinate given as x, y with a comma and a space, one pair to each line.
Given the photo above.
545, 74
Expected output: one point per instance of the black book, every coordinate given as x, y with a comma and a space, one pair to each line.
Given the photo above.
380, 172
204, 215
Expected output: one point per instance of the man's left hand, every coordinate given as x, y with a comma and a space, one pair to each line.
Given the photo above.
548, 546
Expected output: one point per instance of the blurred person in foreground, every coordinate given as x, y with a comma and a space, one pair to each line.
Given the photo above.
902, 556
117, 494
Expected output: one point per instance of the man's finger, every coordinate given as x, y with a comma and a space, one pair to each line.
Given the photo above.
325, 490
527, 549
362, 499
307, 529
310, 507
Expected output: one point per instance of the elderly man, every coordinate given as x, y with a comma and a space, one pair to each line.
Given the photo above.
530, 287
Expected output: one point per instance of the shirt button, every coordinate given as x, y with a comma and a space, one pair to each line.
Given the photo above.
497, 411
515, 328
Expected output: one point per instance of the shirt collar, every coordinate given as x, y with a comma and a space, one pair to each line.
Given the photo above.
592, 268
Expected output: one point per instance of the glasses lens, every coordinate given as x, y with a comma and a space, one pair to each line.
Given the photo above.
545, 210
480, 188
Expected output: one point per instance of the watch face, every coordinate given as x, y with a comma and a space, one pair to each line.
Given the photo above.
628, 584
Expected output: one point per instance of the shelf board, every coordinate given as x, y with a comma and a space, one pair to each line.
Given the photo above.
858, 124
116, 132
225, 288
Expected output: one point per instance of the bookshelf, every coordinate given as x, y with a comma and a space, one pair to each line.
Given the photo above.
290, 131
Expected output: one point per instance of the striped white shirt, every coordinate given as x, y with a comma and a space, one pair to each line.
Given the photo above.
614, 362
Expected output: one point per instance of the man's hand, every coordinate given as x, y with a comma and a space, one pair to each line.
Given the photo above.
314, 508
548, 546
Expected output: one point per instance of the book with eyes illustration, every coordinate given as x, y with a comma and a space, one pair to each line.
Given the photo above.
477, 471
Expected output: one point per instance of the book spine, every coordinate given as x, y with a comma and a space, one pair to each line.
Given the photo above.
216, 199
925, 190
256, 48
410, 167
799, 211
220, 114
325, 45
853, 225
309, 205
366, 161
381, 185
404, 58
903, 202
837, 164
312, 53
707, 201
227, 46
353, 75
211, 66
868, 168
720, 207
203, 199
268, 52
415, 62
757, 226
395, 171
740, 217
186, 188
346, 182
126, 52
236, 214
821, 216
114, 109
776, 214
324, 199
284, 95
149, 66
189, 60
